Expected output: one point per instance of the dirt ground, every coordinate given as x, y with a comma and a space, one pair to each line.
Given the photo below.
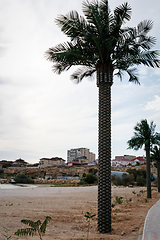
67, 207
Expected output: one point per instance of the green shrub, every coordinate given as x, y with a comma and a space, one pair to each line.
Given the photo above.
1, 172
136, 173
93, 170
141, 181
118, 199
84, 175
125, 180
156, 182
22, 178
89, 179
116, 180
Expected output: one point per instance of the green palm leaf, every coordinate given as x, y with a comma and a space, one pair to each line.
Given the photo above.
44, 224
26, 232
80, 73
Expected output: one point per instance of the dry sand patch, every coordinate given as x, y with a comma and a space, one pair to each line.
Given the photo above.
67, 207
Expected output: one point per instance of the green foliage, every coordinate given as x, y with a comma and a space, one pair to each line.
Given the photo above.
156, 182
136, 173
22, 178
144, 134
116, 180
89, 216
93, 170
1, 172
141, 181
89, 179
125, 180
34, 227
128, 200
142, 191
6, 233
118, 199
90, 49
84, 175
138, 195
155, 154
117, 209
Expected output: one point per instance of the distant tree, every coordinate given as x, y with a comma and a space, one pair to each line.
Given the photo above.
146, 136
89, 179
22, 178
155, 155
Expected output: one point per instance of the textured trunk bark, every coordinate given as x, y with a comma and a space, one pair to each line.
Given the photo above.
104, 82
104, 159
158, 175
148, 171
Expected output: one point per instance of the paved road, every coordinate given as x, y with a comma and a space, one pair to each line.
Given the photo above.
151, 230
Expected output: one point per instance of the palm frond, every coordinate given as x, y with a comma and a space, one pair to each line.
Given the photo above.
69, 54
133, 75
146, 42
44, 224
122, 13
91, 11
155, 153
144, 27
73, 25
25, 232
119, 74
31, 223
80, 73
135, 143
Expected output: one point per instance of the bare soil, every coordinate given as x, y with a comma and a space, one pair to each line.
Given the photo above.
67, 207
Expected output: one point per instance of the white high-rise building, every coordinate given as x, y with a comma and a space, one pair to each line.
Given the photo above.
75, 153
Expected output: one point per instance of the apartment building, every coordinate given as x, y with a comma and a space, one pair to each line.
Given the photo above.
50, 162
76, 153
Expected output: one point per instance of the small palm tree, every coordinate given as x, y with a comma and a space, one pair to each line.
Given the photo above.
155, 155
100, 44
34, 227
146, 136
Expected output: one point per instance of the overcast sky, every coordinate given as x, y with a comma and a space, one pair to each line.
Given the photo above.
43, 114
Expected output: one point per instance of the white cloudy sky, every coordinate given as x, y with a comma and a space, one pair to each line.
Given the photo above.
43, 114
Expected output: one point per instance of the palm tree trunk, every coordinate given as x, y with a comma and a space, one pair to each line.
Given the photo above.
158, 175
104, 159
148, 171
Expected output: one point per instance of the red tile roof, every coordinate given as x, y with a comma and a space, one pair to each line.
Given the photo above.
141, 159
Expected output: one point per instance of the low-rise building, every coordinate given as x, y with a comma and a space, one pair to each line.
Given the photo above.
138, 160
130, 157
117, 162
50, 162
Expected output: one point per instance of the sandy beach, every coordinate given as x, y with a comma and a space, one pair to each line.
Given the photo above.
67, 207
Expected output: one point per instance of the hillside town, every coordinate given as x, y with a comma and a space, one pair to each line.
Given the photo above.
79, 161
77, 156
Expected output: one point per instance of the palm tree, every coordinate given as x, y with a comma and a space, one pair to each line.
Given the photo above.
99, 44
145, 135
37, 226
155, 155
